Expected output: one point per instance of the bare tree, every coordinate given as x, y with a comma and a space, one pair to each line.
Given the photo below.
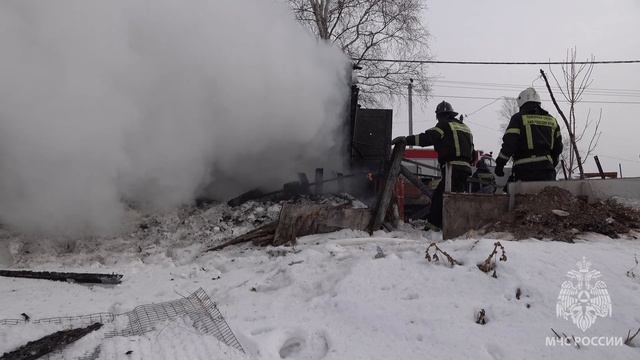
373, 29
575, 79
509, 107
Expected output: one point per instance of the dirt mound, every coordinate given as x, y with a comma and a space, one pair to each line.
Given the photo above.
556, 214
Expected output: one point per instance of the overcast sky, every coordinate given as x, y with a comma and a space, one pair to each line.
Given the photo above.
501, 30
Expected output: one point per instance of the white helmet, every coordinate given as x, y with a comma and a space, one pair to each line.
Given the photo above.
528, 94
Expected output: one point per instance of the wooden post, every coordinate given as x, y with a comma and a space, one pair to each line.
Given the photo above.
599, 167
319, 177
304, 182
620, 168
384, 198
410, 107
447, 178
340, 182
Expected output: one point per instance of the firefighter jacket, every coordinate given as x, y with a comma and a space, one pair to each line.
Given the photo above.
451, 139
532, 138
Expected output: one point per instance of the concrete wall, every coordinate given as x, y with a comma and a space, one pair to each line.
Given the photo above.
593, 189
463, 212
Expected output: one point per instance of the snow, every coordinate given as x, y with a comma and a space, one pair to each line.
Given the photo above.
329, 297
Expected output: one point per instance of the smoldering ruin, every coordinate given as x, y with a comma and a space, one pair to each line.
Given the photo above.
107, 104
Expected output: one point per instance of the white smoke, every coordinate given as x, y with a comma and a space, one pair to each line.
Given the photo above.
150, 100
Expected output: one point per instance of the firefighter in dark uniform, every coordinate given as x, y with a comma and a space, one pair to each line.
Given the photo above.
533, 139
454, 143
485, 181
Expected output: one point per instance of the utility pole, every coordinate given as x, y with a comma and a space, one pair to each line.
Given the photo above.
410, 107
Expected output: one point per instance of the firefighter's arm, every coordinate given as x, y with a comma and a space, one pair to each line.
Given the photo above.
557, 146
428, 138
510, 140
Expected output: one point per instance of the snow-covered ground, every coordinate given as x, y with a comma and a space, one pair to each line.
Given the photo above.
331, 298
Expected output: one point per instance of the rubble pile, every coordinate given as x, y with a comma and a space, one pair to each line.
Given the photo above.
556, 214
211, 223
148, 233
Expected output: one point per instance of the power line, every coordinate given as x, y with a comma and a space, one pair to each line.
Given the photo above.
485, 105
520, 86
490, 98
498, 62
619, 159
500, 88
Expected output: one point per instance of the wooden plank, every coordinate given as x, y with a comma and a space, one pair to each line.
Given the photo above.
82, 278
259, 234
384, 198
57, 341
599, 167
247, 196
415, 181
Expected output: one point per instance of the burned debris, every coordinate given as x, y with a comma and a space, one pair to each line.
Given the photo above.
81, 278
303, 219
50, 343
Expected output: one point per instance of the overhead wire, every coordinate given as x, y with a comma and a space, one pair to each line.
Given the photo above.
618, 158
519, 86
503, 89
490, 98
407, 61
509, 87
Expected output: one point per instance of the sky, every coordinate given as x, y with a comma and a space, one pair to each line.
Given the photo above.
497, 30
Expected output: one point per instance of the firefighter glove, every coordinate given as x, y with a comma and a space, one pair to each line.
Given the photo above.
499, 170
398, 140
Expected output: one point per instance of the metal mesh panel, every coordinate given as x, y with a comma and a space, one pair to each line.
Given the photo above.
202, 311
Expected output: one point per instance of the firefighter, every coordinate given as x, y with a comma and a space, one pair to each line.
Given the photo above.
533, 139
485, 181
454, 143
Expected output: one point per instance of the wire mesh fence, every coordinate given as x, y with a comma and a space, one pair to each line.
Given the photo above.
198, 307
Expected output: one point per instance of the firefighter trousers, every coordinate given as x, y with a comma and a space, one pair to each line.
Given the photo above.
459, 175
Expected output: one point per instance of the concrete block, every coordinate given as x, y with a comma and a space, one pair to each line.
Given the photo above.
463, 212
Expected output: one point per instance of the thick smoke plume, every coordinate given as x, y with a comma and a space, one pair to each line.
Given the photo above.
103, 102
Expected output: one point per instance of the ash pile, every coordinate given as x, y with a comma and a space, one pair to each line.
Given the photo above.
557, 214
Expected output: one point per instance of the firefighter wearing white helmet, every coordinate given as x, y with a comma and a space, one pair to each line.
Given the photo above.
532, 139
528, 94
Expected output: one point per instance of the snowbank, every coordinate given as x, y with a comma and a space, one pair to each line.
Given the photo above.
330, 298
